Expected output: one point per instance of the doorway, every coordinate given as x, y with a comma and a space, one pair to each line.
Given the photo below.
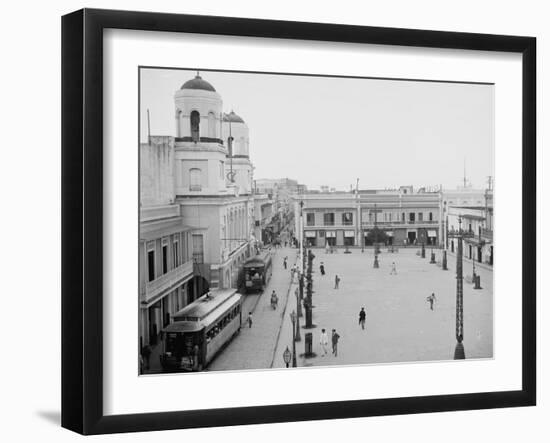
412, 237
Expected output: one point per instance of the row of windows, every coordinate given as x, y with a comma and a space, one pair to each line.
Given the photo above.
178, 255
347, 218
223, 323
329, 218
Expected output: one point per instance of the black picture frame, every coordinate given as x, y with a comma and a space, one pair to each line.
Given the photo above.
82, 220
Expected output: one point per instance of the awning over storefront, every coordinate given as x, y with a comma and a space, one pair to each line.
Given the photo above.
330, 234
432, 233
349, 233
310, 234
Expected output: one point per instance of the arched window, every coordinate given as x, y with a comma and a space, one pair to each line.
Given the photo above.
211, 125
195, 179
195, 126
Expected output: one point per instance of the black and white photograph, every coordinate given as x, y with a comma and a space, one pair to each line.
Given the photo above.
294, 221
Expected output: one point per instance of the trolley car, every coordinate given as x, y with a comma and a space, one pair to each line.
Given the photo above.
257, 271
200, 330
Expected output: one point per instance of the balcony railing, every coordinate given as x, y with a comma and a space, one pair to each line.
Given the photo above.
167, 281
401, 222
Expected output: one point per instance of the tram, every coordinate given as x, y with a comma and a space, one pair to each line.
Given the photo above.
257, 271
201, 330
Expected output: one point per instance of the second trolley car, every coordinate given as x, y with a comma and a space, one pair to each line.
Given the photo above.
257, 271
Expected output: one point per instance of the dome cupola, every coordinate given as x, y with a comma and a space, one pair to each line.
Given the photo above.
198, 83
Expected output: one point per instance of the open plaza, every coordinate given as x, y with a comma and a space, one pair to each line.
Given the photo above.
399, 327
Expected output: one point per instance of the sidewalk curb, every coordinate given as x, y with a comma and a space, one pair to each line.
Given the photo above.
282, 321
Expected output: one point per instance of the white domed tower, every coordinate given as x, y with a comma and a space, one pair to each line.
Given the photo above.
200, 153
238, 160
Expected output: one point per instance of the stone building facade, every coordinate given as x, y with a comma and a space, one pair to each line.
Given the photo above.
344, 219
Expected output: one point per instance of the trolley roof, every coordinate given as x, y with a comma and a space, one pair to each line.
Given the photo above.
184, 326
207, 304
258, 260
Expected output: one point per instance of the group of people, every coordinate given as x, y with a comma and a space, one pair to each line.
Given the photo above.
335, 337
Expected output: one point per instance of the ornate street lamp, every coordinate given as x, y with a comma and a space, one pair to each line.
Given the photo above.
293, 320
287, 356
459, 328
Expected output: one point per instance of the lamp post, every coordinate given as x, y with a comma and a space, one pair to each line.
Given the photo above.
301, 235
293, 320
286, 356
298, 337
376, 265
301, 258
459, 329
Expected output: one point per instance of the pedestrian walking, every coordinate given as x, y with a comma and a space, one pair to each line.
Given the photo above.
431, 300
393, 269
324, 342
274, 299
322, 268
335, 338
336, 282
362, 318
327, 248
249, 319
284, 261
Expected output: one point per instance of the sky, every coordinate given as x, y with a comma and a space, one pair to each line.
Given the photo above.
333, 131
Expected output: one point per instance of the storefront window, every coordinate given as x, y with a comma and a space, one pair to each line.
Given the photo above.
349, 241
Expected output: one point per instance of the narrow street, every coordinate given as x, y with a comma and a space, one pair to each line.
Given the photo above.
253, 347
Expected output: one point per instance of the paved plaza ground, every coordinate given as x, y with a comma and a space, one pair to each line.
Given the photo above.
400, 326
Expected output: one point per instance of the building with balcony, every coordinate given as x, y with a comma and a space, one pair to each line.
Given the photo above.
347, 218
165, 262
263, 215
474, 215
